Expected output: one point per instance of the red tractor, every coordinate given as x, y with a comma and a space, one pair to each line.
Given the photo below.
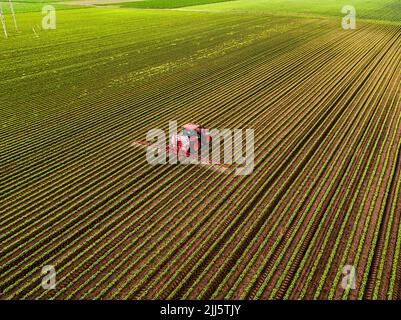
190, 140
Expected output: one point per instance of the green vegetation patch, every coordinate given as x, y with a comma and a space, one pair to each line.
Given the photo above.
30, 6
167, 4
383, 10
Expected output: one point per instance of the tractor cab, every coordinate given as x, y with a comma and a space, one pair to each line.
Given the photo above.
190, 130
190, 139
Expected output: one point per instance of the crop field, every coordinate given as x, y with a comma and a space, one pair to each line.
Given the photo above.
325, 191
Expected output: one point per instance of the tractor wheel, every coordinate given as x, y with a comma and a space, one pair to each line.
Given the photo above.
206, 139
178, 146
194, 148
